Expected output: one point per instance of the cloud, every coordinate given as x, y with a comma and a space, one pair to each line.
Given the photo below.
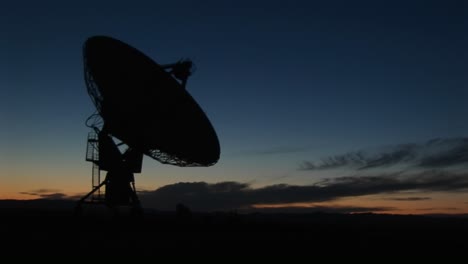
454, 154
402, 153
436, 153
52, 194
439, 209
41, 191
408, 199
198, 195
337, 161
202, 196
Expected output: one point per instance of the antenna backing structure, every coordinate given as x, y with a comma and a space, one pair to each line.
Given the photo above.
142, 108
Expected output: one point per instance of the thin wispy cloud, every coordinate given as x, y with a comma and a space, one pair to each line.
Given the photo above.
455, 153
54, 196
408, 199
435, 154
41, 191
439, 209
51, 194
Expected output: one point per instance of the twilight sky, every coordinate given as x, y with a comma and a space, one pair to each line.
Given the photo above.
326, 104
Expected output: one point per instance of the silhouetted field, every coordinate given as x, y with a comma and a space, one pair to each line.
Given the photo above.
58, 232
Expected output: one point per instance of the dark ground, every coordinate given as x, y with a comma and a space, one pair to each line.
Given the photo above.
58, 232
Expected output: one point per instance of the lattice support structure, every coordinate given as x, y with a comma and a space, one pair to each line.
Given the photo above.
117, 189
92, 155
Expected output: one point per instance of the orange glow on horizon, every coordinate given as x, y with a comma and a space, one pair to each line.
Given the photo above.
401, 211
436, 203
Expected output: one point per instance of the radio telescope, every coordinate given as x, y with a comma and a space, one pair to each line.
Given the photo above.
142, 108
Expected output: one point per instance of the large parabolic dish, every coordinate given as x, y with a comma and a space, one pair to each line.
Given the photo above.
145, 107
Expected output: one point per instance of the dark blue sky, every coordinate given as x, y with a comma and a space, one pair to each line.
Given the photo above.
297, 80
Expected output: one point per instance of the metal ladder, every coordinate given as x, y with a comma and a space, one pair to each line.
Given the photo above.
92, 155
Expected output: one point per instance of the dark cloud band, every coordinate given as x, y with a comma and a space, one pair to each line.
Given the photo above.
233, 195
